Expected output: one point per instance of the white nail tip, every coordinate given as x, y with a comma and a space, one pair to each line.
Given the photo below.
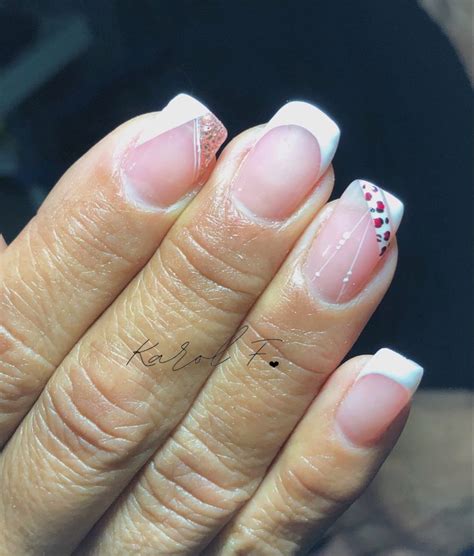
396, 367
180, 110
186, 107
315, 121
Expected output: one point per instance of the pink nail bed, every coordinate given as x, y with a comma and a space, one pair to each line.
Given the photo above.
172, 156
282, 168
350, 244
381, 391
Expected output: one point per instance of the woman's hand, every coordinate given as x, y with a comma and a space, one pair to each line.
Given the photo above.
168, 368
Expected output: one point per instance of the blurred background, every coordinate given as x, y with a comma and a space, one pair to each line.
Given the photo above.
394, 75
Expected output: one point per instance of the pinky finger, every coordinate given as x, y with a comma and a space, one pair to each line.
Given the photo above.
329, 459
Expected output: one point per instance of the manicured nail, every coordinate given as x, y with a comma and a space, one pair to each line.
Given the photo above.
282, 168
171, 156
382, 389
350, 244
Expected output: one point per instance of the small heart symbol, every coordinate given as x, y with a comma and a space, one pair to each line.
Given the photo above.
274, 363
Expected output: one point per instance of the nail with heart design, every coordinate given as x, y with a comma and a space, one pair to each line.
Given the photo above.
350, 244
274, 363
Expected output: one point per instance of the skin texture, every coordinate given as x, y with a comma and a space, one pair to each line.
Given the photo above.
123, 458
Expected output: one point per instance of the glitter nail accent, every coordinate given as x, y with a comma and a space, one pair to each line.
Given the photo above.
210, 133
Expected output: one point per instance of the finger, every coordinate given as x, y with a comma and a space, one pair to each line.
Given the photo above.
328, 460
110, 404
96, 230
219, 453
3, 244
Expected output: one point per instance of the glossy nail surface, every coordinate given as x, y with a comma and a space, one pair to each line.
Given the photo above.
350, 244
382, 389
282, 168
172, 155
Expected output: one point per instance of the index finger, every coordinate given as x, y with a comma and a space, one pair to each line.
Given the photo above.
99, 226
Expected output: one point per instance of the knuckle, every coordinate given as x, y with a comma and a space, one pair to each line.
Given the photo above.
91, 424
146, 524
19, 364
202, 262
250, 541
223, 429
22, 313
183, 496
16, 394
198, 469
22, 367
314, 482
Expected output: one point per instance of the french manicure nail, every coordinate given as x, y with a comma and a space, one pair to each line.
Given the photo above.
282, 168
171, 156
382, 389
350, 244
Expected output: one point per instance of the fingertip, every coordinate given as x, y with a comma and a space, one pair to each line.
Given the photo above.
380, 391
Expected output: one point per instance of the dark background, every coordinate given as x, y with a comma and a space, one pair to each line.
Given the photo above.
71, 71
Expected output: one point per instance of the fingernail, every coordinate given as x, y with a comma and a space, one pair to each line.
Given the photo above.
282, 168
382, 389
350, 244
172, 155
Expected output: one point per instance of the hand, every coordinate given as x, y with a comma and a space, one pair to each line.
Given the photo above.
168, 371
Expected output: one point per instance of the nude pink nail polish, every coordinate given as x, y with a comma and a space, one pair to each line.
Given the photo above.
350, 244
172, 155
285, 164
380, 392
